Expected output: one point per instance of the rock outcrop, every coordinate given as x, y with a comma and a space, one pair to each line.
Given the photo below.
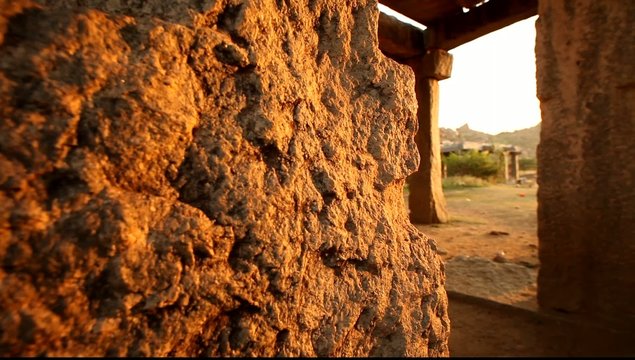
215, 178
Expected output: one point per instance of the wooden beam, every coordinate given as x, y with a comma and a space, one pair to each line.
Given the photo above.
400, 40
468, 3
450, 32
424, 11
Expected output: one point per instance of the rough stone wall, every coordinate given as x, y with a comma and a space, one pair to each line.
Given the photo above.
585, 54
209, 178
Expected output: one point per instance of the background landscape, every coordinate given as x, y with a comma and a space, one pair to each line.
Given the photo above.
527, 139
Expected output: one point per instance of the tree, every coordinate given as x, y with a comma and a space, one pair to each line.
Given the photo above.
473, 163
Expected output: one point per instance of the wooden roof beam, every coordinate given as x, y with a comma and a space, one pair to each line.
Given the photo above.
450, 32
400, 40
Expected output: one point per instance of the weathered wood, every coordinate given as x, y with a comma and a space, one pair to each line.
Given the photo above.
398, 39
452, 31
423, 11
447, 30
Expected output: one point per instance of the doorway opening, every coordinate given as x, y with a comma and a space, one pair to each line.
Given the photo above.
489, 125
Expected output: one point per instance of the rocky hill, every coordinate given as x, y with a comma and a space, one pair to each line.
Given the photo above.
527, 139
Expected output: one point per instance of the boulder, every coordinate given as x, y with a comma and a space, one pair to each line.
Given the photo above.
209, 178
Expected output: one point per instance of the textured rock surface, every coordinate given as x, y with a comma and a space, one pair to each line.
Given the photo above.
208, 178
586, 212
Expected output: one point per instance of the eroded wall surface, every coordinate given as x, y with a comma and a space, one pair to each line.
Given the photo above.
585, 54
209, 178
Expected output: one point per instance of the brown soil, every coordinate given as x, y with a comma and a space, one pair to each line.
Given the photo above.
490, 252
480, 327
490, 245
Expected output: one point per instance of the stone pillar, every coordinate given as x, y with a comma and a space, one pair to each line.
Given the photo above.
586, 167
426, 200
505, 160
514, 168
243, 227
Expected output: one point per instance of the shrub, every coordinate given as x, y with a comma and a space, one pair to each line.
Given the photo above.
457, 182
472, 163
527, 164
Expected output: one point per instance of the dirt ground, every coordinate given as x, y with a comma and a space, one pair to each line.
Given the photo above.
490, 244
490, 252
480, 327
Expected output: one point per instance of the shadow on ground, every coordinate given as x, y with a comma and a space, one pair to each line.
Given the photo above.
480, 327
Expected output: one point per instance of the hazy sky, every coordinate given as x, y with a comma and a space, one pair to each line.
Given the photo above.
493, 83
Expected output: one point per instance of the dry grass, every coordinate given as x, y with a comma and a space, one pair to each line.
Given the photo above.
465, 181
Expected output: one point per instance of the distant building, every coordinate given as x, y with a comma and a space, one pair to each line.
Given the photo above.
448, 147
509, 157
